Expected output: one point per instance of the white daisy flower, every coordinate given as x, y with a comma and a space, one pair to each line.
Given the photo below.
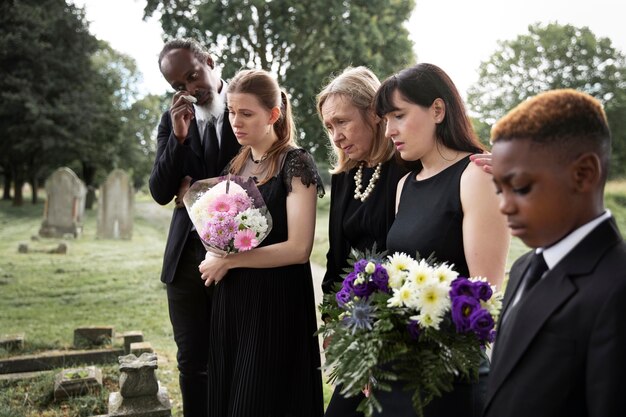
428, 320
420, 274
434, 299
445, 274
401, 296
396, 278
399, 262
494, 304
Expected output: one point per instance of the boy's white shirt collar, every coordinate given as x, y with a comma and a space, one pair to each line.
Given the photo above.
554, 254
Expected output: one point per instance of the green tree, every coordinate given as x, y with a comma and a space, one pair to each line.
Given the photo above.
44, 60
301, 42
112, 90
554, 56
67, 99
139, 137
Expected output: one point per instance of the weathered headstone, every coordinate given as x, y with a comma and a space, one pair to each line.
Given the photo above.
140, 394
65, 205
77, 381
93, 336
139, 348
12, 342
115, 208
130, 337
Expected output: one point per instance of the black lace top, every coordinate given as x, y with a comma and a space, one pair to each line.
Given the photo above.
297, 163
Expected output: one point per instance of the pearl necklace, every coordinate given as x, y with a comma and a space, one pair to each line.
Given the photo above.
358, 195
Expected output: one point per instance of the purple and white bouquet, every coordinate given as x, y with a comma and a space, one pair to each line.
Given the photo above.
396, 318
229, 214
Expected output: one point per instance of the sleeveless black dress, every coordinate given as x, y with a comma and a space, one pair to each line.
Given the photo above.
430, 219
264, 356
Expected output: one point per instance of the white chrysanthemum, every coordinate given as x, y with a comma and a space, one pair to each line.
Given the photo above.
434, 299
399, 262
445, 274
494, 304
199, 211
420, 274
396, 278
253, 219
428, 320
401, 296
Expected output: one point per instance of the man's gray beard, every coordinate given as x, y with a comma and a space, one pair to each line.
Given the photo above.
216, 106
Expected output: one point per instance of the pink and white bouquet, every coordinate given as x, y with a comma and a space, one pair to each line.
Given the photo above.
396, 318
229, 213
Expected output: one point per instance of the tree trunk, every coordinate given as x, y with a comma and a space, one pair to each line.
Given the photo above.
34, 182
18, 184
89, 173
6, 190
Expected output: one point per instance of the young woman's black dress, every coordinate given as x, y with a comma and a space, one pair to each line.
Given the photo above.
264, 355
430, 219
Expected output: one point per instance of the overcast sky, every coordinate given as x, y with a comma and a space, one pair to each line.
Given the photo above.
456, 35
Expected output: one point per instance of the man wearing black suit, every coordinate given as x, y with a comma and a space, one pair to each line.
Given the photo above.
195, 141
562, 333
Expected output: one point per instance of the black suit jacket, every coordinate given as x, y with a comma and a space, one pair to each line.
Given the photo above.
173, 162
566, 352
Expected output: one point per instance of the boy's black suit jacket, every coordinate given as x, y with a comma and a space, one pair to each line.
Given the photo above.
566, 355
175, 161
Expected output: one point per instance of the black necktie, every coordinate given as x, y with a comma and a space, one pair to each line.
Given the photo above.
211, 150
533, 274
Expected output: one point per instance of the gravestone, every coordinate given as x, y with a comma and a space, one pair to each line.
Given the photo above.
65, 205
93, 336
139, 348
12, 342
140, 394
77, 381
130, 337
115, 208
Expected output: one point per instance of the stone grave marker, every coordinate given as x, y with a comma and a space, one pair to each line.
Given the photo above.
77, 381
93, 336
12, 342
139, 348
129, 337
140, 394
65, 205
115, 208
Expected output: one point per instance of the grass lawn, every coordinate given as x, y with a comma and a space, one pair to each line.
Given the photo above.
109, 283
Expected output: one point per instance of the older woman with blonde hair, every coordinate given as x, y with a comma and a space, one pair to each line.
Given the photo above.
365, 177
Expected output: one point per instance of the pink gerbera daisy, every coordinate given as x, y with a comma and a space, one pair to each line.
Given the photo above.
245, 240
223, 204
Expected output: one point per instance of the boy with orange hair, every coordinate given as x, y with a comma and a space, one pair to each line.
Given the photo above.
560, 349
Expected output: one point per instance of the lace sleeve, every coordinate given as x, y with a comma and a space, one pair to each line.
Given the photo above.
299, 163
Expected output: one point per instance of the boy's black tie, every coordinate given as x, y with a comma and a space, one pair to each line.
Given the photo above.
535, 271
533, 274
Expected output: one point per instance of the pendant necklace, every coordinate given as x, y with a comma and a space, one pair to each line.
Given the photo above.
258, 161
358, 195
